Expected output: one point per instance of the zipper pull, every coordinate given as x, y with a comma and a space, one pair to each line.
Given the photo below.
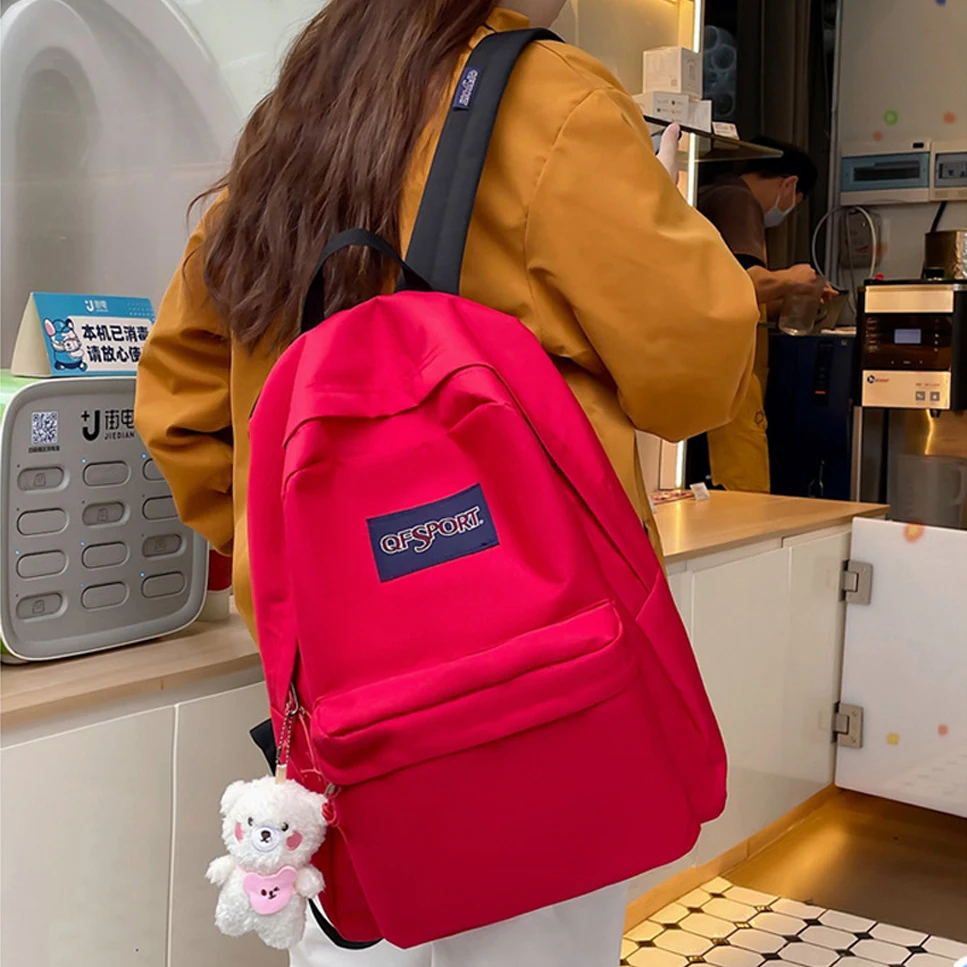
328, 809
292, 710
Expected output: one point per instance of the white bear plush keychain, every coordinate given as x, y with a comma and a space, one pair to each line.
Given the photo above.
272, 828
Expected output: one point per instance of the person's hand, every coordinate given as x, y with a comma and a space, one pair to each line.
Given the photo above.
803, 280
668, 150
801, 275
829, 293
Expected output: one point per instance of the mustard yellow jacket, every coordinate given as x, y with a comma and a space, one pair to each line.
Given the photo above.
578, 232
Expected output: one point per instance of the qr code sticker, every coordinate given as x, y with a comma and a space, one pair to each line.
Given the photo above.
43, 429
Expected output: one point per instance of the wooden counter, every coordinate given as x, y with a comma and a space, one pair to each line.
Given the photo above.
689, 529
42, 689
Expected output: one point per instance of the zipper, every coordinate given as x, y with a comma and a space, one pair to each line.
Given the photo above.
293, 710
291, 713
328, 807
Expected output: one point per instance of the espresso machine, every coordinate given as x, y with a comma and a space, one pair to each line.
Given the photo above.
910, 430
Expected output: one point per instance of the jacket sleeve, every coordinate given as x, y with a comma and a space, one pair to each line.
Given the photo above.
183, 409
665, 306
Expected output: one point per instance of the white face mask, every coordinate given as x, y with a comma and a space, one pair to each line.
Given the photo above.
776, 215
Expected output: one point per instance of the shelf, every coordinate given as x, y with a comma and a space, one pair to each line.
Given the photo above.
713, 147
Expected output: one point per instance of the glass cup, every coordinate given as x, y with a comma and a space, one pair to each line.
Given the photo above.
800, 311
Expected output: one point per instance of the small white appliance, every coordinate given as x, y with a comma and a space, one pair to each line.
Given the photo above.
907, 172
92, 553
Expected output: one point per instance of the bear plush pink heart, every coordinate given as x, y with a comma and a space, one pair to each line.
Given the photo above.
271, 831
270, 894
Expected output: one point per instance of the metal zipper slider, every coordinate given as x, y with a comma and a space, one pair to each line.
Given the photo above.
292, 710
328, 809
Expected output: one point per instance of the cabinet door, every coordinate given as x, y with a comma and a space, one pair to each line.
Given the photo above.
86, 845
680, 585
766, 624
905, 665
739, 619
739, 612
752, 618
212, 749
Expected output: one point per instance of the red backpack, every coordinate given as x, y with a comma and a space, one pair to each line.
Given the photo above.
468, 641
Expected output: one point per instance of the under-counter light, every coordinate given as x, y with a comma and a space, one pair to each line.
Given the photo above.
692, 195
680, 467
698, 25
698, 31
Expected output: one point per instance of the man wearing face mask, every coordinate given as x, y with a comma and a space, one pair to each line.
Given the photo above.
742, 206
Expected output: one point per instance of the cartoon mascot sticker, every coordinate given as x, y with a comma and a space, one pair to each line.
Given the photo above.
68, 349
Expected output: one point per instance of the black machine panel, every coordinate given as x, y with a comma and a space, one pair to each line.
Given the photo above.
809, 405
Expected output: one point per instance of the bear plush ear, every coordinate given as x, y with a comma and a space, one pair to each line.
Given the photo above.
232, 795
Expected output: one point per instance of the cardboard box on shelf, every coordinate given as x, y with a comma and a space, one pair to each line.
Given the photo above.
700, 115
676, 107
660, 104
673, 70
725, 130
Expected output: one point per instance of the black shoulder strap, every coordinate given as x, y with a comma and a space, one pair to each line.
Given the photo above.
435, 257
443, 221
314, 305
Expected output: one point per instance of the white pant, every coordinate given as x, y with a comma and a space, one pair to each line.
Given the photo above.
581, 933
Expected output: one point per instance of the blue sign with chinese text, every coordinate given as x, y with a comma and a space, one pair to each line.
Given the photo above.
87, 335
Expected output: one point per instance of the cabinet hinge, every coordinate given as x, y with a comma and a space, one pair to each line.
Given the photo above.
848, 725
856, 583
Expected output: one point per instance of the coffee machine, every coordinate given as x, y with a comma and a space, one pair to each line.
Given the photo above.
910, 430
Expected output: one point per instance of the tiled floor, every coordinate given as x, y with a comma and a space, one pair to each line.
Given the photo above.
731, 926
881, 860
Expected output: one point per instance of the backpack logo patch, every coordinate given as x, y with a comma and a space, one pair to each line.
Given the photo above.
423, 537
465, 89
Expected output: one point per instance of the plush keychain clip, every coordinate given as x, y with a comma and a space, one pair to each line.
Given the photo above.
272, 828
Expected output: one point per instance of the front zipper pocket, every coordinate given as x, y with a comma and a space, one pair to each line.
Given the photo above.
529, 681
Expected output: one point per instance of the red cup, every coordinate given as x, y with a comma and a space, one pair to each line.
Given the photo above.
219, 572
217, 605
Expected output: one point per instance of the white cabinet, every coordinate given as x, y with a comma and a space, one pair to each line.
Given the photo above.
766, 623
680, 583
212, 749
739, 613
86, 840
107, 833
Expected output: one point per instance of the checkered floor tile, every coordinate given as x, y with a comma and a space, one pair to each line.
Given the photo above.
722, 925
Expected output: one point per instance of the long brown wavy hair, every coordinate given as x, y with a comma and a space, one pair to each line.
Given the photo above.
329, 149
